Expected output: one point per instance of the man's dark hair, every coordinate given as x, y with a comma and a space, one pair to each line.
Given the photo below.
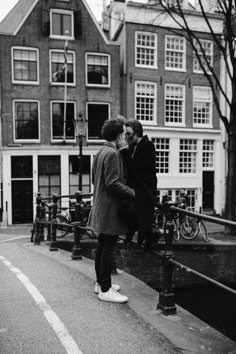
136, 126
112, 128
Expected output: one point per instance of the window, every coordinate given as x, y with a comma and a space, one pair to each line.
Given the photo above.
61, 24
25, 65
49, 182
21, 167
145, 101
57, 60
162, 146
187, 156
208, 154
26, 119
98, 69
174, 104
97, 113
191, 197
74, 174
63, 130
175, 51
202, 106
146, 49
205, 51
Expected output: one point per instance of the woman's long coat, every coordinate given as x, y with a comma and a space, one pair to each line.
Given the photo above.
110, 189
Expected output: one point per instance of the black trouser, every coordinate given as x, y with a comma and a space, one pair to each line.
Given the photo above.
103, 260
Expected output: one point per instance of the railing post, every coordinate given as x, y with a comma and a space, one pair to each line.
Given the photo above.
49, 227
42, 218
53, 242
167, 296
76, 251
37, 226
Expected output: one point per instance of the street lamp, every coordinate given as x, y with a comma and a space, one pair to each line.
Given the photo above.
80, 133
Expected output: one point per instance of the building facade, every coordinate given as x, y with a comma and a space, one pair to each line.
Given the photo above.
163, 86
56, 65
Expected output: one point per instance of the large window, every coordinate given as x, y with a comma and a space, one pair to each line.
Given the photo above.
187, 155
26, 119
98, 69
146, 49
175, 53
63, 130
97, 113
74, 169
57, 60
162, 146
25, 65
49, 182
174, 104
61, 23
145, 101
202, 106
208, 154
205, 52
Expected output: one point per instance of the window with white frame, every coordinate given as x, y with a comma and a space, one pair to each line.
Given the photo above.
97, 113
146, 49
145, 101
49, 175
162, 146
58, 67
63, 130
202, 106
205, 52
208, 154
175, 53
25, 65
97, 69
74, 170
187, 155
174, 104
26, 119
61, 23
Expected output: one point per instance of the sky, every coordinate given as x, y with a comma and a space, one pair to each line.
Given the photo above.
7, 5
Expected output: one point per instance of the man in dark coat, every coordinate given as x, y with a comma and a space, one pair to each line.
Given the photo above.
109, 179
140, 158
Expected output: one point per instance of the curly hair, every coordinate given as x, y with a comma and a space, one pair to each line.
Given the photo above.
112, 128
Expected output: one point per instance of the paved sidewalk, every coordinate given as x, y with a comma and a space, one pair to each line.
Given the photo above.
186, 332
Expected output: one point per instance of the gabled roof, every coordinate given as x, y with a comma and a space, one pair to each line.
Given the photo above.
16, 17
11, 24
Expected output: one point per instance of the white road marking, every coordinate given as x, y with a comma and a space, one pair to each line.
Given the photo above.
52, 318
14, 238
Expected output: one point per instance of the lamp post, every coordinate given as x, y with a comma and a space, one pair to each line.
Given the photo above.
80, 133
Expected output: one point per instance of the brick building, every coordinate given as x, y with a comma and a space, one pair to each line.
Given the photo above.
163, 86
39, 152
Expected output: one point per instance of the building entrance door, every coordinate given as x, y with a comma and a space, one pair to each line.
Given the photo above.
22, 202
208, 190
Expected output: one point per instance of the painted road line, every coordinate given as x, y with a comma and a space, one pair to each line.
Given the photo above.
52, 318
14, 238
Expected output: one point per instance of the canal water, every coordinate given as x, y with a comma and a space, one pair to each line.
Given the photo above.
213, 305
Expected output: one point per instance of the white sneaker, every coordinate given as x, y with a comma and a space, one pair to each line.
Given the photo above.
97, 287
112, 296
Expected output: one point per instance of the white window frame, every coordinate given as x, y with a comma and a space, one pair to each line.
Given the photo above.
14, 122
169, 68
74, 68
165, 150
63, 12
181, 124
109, 69
196, 61
155, 48
87, 119
24, 82
53, 140
209, 155
203, 88
154, 118
191, 152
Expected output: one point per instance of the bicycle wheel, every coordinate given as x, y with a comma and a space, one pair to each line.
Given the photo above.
203, 230
62, 231
189, 228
